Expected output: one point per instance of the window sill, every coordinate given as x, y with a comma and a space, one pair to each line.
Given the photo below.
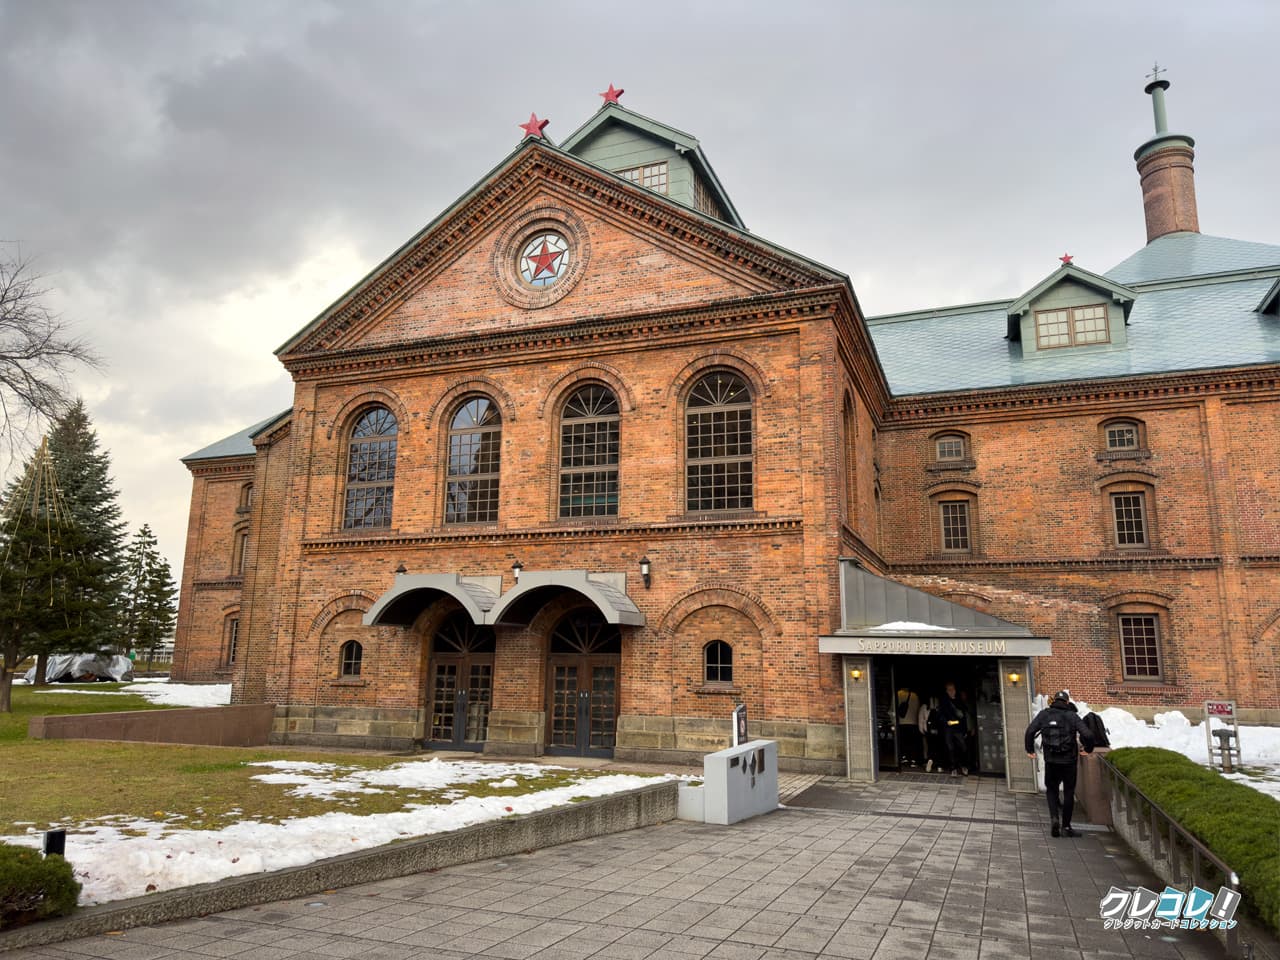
717, 689
1109, 456
1144, 687
940, 466
716, 516
349, 682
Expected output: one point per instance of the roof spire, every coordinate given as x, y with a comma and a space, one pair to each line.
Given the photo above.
1165, 168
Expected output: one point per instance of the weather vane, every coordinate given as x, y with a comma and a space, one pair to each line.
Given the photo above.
1156, 70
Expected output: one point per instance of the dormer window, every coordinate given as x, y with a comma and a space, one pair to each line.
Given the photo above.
651, 176
1072, 327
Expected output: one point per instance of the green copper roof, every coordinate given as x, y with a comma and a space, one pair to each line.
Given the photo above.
239, 444
1179, 255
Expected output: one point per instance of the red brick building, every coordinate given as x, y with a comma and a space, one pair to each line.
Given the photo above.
585, 463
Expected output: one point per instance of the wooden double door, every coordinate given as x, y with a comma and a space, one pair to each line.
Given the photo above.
461, 685
583, 664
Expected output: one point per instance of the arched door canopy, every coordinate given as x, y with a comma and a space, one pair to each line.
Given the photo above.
412, 593
606, 591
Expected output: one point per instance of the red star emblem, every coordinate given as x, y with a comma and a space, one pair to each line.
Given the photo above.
611, 95
1066, 258
544, 261
534, 127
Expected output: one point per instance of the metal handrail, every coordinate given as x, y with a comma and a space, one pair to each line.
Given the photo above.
1200, 854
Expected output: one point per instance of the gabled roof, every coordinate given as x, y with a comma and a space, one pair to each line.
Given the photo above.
382, 282
1068, 271
239, 444
1179, 255
615, 113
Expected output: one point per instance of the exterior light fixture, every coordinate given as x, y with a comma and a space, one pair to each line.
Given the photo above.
515, 570
402, 569
645, 565
856, 675
1014, 678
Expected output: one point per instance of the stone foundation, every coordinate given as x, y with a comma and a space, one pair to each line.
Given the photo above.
519, 733
359, 728
802, 747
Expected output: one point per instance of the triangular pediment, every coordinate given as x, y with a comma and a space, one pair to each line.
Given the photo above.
628, 251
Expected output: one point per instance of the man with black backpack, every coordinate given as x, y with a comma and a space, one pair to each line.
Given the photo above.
1058, 726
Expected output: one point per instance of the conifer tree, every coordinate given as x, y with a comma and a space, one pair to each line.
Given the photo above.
149, 594
84, 474
41, 603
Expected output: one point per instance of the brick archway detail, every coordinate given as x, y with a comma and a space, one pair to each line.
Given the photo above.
592, 370
723, 359
461, 388
720, 595
352, 600
374, 396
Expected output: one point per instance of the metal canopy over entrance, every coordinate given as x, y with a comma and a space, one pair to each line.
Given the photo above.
606, 591
883, 622
414, 592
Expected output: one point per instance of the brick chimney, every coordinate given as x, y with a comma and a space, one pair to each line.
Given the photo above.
1165, 168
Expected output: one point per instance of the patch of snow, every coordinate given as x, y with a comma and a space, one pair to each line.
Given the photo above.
168, 694
112, 864
908, 625
504, 783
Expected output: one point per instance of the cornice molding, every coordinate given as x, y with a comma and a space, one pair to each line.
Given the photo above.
1079, 396
222, 467
1085, 563
440, 351
222, 583
783, 525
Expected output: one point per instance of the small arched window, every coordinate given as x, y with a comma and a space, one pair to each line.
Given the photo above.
245, 503
231, 644
719, 443
1121, 437
371, 470
350, 657
850, 424
717, 659
950, 447
589, 454
475, 455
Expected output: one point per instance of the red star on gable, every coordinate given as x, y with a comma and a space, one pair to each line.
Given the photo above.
611, 95
544, 261
534, 127
1066, 258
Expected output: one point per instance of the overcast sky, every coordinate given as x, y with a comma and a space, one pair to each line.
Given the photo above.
199, 180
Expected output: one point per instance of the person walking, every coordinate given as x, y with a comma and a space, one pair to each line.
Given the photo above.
1064, 737
955, 724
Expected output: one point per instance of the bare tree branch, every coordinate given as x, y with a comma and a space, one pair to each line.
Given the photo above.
37, 354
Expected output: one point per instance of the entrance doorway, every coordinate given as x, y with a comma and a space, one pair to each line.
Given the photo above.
461, 684
901, 684
583, 660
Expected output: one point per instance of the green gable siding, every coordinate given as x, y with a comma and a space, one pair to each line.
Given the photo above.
615, 148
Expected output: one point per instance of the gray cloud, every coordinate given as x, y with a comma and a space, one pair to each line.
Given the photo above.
186, 171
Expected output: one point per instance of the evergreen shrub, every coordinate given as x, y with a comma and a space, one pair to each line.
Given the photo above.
33, 886
1238, 823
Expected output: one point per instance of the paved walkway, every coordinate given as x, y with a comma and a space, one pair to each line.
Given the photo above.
897, 871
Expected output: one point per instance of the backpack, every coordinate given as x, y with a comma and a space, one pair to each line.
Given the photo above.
1059, 737
934, 723
1097, 730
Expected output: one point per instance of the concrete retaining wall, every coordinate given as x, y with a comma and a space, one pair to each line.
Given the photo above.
642, 807
246, 725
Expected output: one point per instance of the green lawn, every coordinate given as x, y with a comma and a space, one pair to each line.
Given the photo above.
70, 782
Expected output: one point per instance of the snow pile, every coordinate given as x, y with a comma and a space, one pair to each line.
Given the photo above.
168, 694
113, 864
897, 625
1259, 746
329, 780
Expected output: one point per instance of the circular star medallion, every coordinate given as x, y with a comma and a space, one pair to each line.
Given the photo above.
544, 259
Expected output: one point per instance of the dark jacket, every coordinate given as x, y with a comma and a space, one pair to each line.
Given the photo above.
949, 710
1058, 726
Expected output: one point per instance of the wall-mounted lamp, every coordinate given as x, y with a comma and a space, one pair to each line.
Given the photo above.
515, 570
856, 675
645, 566
402, 569
1014, 678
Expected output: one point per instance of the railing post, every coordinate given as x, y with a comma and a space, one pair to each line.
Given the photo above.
1155, 834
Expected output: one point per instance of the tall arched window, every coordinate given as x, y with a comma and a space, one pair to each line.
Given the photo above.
717, 662
589, 454
850, 425
371, 470
718, 444
475, 453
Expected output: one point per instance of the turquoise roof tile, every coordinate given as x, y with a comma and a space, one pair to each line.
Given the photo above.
1178, 255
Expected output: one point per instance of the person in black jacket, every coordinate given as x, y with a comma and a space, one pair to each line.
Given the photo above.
1063, 735
955, 724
